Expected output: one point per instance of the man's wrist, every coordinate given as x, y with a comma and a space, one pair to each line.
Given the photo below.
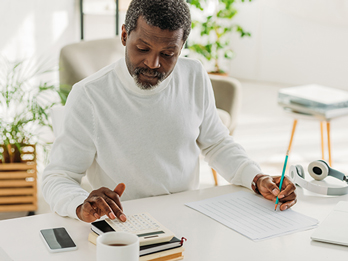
254, 183
78, 210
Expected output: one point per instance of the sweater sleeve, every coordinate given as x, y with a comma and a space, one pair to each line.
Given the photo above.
219, 149
72, 153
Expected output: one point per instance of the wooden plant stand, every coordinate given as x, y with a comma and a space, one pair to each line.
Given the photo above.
18, 186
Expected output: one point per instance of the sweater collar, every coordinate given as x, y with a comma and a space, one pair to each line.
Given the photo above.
129, 83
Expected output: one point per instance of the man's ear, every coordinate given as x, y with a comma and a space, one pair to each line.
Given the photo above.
124, 35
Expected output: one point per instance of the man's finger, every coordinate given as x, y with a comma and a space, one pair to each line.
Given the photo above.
89, 210
116, 208
271, 186
291, 197
287, 205
100, 203
287, 188
115, 197
120, 189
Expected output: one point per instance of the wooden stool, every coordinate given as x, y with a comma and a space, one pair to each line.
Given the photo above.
322, 139
314, 102
324, 120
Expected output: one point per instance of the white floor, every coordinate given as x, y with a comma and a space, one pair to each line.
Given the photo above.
264, 131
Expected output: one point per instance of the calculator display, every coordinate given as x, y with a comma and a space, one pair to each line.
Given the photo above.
150, 234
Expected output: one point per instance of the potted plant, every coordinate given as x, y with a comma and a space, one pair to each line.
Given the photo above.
24, 115
215, 26
24, 107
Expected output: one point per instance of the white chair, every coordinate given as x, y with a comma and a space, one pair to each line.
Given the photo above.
228, 97
79, 60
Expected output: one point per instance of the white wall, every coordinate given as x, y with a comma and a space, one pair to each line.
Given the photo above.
36, 28
293, 42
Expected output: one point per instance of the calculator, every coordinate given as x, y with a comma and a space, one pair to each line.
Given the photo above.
148, 229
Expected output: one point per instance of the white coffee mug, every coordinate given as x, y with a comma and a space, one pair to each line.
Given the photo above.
117, 246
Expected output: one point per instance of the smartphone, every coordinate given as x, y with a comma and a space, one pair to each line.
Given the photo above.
58, 239
101, 227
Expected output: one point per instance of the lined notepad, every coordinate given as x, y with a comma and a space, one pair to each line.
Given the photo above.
253, 216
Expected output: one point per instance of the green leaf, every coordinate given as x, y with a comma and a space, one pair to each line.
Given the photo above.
24, 105
216, 29
196, 3
229, 54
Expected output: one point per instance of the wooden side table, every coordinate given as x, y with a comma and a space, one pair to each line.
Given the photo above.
323, 122
314, 102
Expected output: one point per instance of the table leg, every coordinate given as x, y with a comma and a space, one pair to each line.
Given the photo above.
322, 141
329, 142
215, 176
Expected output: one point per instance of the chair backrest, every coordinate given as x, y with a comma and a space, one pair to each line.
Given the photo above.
79, 60
228, 96
57, 116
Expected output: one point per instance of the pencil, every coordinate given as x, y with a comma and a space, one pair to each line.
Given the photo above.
282, 178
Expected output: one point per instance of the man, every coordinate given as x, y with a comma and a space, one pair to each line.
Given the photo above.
143, 122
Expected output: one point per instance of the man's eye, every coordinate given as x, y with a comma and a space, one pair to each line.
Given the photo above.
143, 50
167, 55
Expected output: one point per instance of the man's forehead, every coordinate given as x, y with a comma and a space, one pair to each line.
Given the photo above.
146, 33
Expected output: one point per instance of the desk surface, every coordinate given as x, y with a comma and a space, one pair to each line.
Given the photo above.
207, 239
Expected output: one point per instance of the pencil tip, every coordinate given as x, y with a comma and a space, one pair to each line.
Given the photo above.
275, 208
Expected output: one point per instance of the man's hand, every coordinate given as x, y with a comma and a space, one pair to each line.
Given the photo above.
101, 202
269, 188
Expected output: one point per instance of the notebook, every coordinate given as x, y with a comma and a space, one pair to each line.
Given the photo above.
334, 228
252, 215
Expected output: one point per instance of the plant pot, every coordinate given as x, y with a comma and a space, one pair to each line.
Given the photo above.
218, 73
11, 153
18, 183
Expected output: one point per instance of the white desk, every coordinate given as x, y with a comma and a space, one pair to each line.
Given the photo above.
207, 239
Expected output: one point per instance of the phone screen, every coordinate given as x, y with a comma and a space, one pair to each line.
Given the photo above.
57, 238
101, 227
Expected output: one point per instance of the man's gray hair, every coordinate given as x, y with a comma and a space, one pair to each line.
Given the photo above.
165, 14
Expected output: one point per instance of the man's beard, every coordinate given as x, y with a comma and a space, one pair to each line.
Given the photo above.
135, 72
146, 85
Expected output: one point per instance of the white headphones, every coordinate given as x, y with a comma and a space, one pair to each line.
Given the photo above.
319, 170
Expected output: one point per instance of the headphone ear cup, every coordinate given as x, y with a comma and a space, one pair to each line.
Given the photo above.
300, 171
318, 169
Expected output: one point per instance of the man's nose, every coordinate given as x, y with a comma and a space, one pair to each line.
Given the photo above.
152, 61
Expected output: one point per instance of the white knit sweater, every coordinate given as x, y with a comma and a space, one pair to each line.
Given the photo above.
149, 140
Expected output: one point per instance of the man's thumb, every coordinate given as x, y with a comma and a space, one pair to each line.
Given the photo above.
120, 189
273, 188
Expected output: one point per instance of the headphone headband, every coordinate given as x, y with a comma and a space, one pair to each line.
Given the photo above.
297, 176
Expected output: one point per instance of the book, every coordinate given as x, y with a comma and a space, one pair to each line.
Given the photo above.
147, 249
319, 112
314, 96
168, 255
173, 243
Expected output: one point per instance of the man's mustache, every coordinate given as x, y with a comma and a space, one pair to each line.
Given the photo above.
154, 73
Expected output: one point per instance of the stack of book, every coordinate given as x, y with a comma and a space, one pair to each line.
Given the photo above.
315, 100
166, 247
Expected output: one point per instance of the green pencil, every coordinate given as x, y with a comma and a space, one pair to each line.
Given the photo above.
282, 178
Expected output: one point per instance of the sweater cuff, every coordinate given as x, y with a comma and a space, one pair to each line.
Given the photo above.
249, 172
77, 201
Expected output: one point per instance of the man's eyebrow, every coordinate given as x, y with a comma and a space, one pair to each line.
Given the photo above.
144, 42
173, 46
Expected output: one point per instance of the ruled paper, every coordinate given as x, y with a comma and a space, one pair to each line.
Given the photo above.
253, 216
